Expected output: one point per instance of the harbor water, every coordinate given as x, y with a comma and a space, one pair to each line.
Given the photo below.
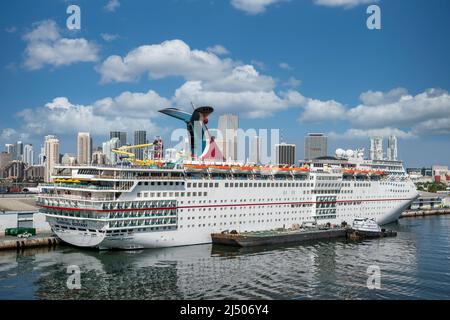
413, 265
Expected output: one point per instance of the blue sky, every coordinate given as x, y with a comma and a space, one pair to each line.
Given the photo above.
300, 65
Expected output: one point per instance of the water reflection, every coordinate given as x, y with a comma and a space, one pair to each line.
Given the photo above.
413, 265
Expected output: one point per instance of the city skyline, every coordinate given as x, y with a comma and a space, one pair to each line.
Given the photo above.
374, 90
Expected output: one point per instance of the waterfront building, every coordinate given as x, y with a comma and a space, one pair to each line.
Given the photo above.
84, 148
228, 139
285, 154
392, 148
5, 158
51, 149
35, 173
15, 170
28, 154
376, 148
316, 146
122, 136
98, 157
140, 137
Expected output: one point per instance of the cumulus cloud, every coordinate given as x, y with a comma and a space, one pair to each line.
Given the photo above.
170, 58
218, 50
254, 104
319, 111
112, 5
399, 108
126, 111
285, 66
109, 37
364, 134
398, 112
343, 3
45, 46
253, 6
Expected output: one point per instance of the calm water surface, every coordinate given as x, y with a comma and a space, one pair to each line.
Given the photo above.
414, 265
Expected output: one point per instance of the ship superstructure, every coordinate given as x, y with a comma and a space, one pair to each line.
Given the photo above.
173, 204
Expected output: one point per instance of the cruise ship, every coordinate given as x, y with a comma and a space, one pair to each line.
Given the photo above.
165, 203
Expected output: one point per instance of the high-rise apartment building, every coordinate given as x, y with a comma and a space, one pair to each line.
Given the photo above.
122, 136
28, 155
228, 140
140, 137
285, 154
107, 150
84, 148
392, 148
255, 150
316, 146
51, 149
376, 148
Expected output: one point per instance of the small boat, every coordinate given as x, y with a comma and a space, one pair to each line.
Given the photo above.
366, 226
301, 170
219, 169
241, 169
195, 167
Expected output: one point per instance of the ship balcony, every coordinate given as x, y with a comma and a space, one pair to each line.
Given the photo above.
108, 203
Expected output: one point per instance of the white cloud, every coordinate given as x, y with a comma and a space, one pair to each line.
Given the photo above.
132, 104
218, 50
170, 58
124, 112
319, 111
11, 29
364, 134
254, 104
112, 5
109, 37
400, 109
285, 66
399, 113
342, 3
45, 46
293, 82
253, 6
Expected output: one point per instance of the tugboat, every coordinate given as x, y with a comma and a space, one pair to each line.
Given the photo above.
368, 228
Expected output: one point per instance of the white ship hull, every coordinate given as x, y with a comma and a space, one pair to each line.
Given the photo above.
242, 209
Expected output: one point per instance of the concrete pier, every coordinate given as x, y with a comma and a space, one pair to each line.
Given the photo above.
8, 243
424, 213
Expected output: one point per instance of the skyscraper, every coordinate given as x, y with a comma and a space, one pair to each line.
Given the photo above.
9, 148
122, 136
51, 149
84, 147
392, 148
255, 150
316, 146
28, 154
376, 148
140, 137
285, 154
228, 140
108, 147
